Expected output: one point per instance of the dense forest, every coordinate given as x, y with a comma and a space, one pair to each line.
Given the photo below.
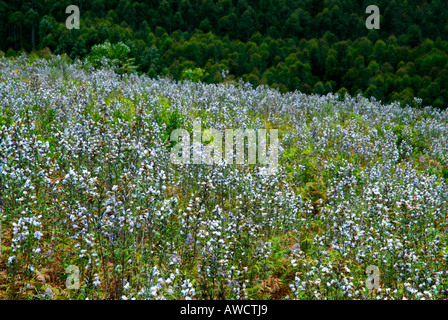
307, 45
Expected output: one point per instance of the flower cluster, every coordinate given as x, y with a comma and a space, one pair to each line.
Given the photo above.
86, 180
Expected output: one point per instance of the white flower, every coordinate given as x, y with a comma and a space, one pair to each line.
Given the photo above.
38, 235
97, 280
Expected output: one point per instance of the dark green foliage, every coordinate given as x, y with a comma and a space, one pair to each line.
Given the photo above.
312, 46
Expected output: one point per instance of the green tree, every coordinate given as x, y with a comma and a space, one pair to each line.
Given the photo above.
246, 24
115, 55
414, 35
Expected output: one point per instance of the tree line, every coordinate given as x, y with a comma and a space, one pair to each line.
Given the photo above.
307, 45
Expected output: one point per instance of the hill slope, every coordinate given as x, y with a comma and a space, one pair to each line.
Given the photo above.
87, 183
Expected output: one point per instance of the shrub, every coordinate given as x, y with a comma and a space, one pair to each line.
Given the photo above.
113, 55
194, 75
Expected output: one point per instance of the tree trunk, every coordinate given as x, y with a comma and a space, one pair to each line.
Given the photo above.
33, 33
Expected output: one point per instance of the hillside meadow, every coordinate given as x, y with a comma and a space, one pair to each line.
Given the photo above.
93, 208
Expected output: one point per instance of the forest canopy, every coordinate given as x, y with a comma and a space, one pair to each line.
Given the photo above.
307, 45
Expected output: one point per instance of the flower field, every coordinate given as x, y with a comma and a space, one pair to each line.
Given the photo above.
93, 208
